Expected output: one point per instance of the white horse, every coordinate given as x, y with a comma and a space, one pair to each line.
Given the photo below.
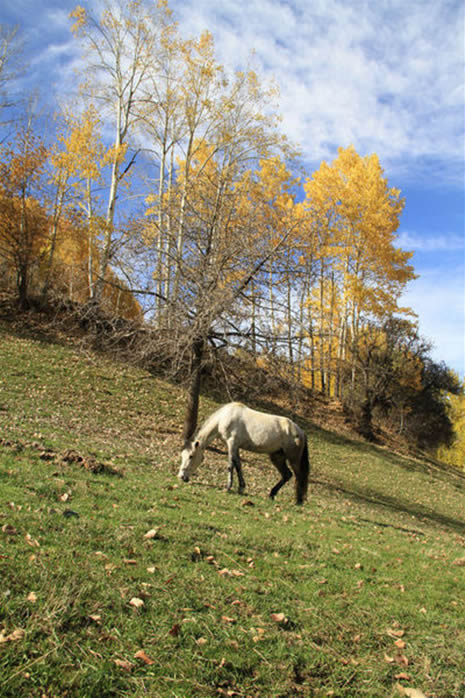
240, 427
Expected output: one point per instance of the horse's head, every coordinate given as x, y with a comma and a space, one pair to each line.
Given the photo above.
191, 457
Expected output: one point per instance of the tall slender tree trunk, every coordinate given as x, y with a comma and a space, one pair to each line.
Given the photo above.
182, 213
53, 241
90, 241
193, 393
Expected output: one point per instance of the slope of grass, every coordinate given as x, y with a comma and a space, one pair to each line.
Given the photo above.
118, 581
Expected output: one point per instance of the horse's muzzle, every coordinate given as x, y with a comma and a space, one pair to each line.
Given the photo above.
184, 478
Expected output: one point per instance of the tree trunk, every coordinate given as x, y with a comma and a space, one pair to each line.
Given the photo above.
193, 394
23, 287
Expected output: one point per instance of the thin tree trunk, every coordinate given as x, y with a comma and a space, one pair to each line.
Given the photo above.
193, 394
90, 241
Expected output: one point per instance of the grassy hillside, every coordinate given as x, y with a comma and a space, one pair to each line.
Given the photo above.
119, 581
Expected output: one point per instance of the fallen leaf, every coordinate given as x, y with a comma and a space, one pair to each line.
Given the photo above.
278, 617
130, 561
201, 641
136, 602
227, 619
144, 657
409, 692
395, 633
258, 634
388, 659
197, 554
151, 570
95, 617
17, 634
9, 530
32, 597
175, 630
400, 644
402, 660
31, 541
403, 676
460, 562
124, 664
153, 533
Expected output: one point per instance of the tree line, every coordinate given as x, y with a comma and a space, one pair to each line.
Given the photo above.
166, 194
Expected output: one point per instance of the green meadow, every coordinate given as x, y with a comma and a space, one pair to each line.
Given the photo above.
119, 580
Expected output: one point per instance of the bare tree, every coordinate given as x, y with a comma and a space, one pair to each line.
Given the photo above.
10, 66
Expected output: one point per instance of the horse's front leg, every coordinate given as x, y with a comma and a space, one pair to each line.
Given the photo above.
234, 463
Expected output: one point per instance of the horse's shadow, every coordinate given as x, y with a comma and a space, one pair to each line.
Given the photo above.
383, 501
365, 495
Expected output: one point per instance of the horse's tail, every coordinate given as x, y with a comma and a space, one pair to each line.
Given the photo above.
302, 476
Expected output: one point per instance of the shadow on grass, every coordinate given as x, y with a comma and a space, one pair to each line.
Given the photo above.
376, 499
435, 471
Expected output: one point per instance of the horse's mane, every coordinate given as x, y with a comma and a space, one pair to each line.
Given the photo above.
207, 424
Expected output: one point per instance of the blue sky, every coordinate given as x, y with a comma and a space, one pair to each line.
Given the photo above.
387, 77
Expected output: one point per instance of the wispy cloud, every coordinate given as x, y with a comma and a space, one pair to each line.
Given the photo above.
386, 77
431, 243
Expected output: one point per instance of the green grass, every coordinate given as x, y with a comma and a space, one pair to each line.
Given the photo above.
241, 596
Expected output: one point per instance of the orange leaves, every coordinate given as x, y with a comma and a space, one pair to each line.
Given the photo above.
278, 617
397, 656
124, 664
144, 657
80, 16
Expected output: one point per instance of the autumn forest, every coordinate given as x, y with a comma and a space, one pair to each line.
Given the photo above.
164, 198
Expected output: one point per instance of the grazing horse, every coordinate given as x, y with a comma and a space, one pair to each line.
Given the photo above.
240, 427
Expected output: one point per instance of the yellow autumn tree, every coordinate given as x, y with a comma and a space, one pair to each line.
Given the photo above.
362, 274
119, 45
455, 454
23, 228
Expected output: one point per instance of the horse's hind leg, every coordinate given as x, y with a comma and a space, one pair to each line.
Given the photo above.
240, 477
279, 461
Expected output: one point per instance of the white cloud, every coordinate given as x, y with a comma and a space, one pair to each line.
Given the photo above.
388, 79
433, 243
439, 301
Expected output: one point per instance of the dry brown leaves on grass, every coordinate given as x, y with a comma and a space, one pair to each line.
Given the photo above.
68, 457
